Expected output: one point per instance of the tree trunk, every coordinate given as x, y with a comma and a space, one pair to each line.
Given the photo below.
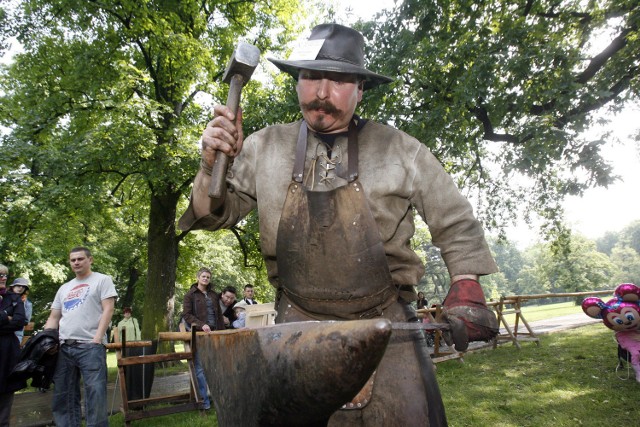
162, 244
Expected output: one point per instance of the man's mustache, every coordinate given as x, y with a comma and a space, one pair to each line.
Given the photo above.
327, 106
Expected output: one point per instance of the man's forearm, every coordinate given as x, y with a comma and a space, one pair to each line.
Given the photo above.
54, 319
202, 204
105, 319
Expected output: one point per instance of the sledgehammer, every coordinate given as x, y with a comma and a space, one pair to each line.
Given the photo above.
243, 61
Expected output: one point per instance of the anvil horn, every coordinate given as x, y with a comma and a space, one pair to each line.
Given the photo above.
291, 374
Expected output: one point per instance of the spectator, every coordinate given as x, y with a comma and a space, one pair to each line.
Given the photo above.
81, 311
241, 315
12, 319
248, 295
20, 286
227, 300
201, 310
422, 301
130, 324
336, 195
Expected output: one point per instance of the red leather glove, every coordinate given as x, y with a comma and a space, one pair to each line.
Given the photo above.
465, 301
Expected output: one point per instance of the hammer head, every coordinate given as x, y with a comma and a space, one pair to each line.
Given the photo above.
243, 61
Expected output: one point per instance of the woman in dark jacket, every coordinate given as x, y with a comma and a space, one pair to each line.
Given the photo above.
422, 301
12, 319
201, 310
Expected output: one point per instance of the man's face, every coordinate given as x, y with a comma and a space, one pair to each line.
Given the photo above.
248, 293
80, 263
228, 298
204, 278
328, 100
3, 279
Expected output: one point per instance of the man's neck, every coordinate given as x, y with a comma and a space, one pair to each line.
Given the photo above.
84, 275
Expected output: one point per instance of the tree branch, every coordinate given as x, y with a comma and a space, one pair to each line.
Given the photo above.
243, 247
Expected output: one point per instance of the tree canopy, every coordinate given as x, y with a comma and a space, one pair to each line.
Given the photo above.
502, 92
103, 108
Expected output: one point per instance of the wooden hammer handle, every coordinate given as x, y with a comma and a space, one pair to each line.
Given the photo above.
220, 165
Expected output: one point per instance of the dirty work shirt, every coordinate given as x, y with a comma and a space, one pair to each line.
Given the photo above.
397, 173
81, 304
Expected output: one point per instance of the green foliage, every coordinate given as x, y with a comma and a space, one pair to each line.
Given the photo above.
627, 262
101, 111
606, 243
507, 84
630, 236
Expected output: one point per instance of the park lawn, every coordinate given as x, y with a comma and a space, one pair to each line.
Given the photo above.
568, 380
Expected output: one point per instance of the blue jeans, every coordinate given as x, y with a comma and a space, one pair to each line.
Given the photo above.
89, 361
202, 383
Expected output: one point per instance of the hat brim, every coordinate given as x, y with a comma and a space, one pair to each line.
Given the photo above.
293, 68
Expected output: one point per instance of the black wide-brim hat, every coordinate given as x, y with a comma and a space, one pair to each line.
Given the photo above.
334, 48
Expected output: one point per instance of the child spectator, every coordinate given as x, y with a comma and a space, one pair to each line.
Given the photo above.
20, 286
241, 315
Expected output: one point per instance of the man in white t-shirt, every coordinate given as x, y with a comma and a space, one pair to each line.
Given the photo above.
82, 310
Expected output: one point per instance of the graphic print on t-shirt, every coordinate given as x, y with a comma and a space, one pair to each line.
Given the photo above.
75, 297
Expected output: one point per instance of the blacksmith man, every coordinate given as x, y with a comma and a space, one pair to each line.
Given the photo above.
335, 194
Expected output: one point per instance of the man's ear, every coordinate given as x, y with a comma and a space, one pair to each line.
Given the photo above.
360, 90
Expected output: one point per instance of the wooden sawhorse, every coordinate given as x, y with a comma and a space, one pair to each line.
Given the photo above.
138, 409
515, 336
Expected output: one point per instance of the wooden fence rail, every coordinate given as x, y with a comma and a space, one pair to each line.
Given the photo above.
512, 304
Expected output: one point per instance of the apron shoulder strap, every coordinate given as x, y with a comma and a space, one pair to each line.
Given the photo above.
352, 150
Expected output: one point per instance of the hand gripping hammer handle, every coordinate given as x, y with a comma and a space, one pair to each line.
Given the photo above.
243, 62
221, 163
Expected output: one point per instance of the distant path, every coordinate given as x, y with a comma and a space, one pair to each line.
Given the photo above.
32, 409
560, 323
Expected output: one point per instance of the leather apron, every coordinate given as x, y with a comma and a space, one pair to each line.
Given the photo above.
331, 261
332, 265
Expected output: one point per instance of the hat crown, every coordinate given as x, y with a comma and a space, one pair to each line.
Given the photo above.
20, 281
342, 44
332, 48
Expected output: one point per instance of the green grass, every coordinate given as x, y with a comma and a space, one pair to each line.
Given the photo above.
184, 419
569, 380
